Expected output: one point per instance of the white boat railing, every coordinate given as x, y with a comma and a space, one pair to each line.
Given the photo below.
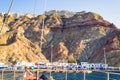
85, 75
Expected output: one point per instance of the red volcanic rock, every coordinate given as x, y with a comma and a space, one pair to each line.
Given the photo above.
58, 52
111, 45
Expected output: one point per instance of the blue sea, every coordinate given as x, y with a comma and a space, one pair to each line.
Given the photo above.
89, 76
68, 76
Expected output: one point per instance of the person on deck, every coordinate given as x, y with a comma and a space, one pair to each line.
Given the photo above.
30, 76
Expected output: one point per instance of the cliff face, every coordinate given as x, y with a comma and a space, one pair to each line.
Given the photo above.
84, 35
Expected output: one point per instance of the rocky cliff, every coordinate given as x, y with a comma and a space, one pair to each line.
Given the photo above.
81, 36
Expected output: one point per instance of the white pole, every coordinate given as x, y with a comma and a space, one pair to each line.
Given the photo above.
43, 25
51, 52
66, 75
108, 76
2, 74
51, 56
37, 74
105, 58
84, 75
14, 75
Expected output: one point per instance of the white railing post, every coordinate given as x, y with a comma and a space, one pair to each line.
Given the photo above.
108, 76
2, 74
84, 76
37, 74
66, 75
14, 75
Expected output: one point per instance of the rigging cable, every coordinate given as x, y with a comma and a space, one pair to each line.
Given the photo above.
34, 10
5, 18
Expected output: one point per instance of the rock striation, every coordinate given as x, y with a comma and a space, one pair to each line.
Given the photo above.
84, 35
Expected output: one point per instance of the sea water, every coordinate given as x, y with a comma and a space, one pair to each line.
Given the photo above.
80, 76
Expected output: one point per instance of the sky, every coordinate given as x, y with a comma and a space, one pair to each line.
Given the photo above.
108, 9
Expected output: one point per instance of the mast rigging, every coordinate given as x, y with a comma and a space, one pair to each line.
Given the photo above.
6, 17
43, 24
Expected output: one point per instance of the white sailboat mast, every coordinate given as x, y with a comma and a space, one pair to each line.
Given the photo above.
43, 24
5, 20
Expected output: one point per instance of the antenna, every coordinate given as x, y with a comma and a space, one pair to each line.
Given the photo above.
6, 17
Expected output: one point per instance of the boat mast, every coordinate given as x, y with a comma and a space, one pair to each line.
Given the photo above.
43, 24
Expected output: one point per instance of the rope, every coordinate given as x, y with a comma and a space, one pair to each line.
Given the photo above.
5, 20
